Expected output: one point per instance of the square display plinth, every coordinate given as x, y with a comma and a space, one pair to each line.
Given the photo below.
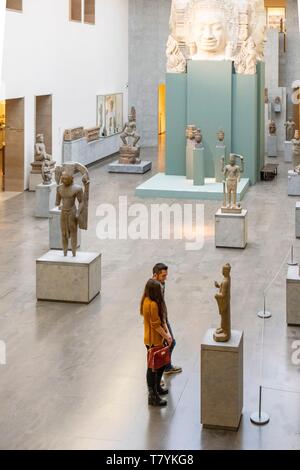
222, 381
293, 296
178, 187
297, 222
288, 151
231, 230
139, 168
272, 145
293, 183
68, 279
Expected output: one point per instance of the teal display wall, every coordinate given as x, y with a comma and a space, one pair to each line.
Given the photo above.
211, 96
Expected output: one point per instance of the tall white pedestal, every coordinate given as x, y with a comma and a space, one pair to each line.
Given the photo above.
45, 196
68, 279
55, 242
293, 183
222, 382
297, 224
272, 145
293, 296
288, 151
231, 230
34, 180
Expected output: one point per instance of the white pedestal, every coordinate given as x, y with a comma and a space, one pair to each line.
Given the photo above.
231, 230
293, 296
45, 196
34, 180
222, 381
138, 168
68, 279
55, 242
288, 151
272, 145
297, 220
293, 184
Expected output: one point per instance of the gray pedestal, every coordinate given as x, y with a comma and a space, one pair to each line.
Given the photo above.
288, 151
190, 162
34, 180
297, 220
272, 145
55, 242
139, 168
293, 184
45, 196
293, 296
222, 382
220, 153
231, 230
199, 166
68, 279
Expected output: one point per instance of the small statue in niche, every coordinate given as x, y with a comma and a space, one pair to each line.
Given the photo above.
223, 298
129, 151
272, 127
296, 151
176, 62
46, 172
67, 194
40, 155
232, 174
290, 126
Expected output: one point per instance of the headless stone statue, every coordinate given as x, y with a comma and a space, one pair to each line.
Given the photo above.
68, 193
223, 298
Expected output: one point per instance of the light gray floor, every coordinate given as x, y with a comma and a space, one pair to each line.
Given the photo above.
75, 375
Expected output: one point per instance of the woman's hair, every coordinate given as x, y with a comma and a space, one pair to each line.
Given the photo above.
153, 291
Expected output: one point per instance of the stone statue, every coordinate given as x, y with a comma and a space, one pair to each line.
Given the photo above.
272, 127
198, 138
246, 61
72, 216
290, 126
218, 30
176, 62
223, 298
232, 174
41, 155
129, 152
296, 151
46, 172
221, 137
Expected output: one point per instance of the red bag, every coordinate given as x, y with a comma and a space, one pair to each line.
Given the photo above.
158, 357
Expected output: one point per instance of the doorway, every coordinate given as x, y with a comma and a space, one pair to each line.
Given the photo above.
13, 165
43, 119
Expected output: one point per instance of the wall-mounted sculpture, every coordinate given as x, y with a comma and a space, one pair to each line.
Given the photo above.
73, 201
217, 30
272, 128
223, 298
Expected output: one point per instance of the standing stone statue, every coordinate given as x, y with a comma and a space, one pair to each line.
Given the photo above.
129, 151
223, 298
72, 216
232, 174
46, 172
290, 126
296, 151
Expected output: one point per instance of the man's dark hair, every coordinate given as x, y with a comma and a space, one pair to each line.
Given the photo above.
158, 268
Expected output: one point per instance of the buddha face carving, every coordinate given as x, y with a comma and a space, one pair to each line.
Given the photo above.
210, 32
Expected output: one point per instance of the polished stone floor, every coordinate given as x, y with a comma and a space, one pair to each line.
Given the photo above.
75, 375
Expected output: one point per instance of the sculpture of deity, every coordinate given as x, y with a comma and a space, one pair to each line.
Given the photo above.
41, 155
210, 34
290, 126
46, 172
232, 174
223, 298
246, 61
176, 62
221, 137
68, 194
198, 138
129, 151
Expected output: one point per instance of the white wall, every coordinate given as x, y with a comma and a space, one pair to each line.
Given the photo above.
45, 53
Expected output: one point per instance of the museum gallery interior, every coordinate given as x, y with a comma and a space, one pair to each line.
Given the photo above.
150, 224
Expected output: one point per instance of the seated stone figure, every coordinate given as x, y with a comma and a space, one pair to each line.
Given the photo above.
41, 155
129, 152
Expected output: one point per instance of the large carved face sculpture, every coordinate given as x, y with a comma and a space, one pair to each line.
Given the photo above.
210, 32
